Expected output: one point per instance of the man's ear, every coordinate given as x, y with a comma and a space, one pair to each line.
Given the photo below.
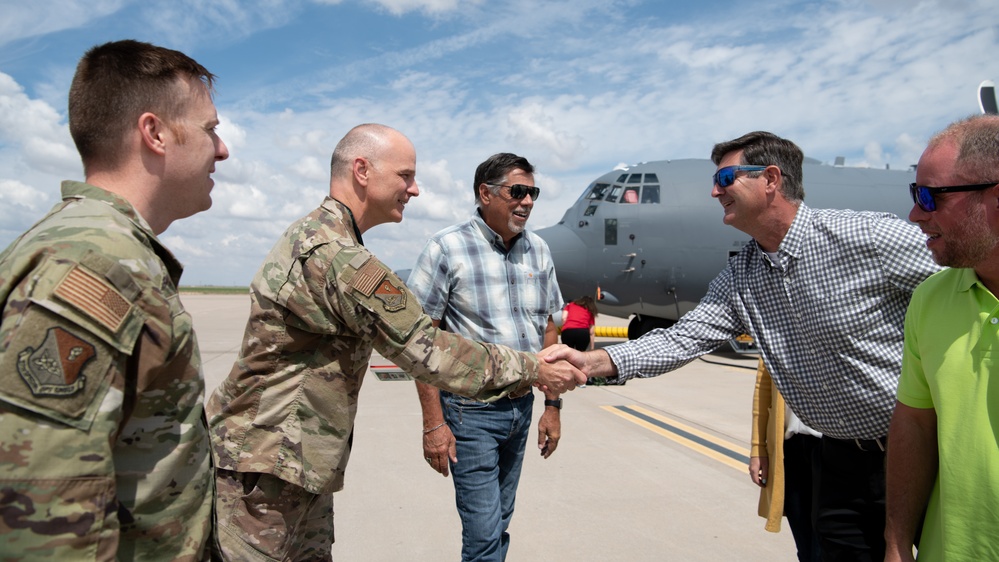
153, 131
361, 169
774, 178
484, 194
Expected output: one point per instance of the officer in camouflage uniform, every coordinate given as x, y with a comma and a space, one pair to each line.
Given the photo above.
104, 451
281, 423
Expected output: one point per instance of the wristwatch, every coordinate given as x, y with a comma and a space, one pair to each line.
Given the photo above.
557, 403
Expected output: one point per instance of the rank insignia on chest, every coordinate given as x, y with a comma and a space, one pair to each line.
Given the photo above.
55, 367
392, 297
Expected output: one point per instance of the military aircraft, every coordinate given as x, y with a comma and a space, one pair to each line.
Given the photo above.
647, 239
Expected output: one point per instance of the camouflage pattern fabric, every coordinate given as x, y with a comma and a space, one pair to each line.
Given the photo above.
103, 446
319, 305
260, 514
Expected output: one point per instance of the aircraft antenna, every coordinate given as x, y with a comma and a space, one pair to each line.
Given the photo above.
987, 97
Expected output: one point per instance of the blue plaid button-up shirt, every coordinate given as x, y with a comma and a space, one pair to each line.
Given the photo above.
466, 278
827, 315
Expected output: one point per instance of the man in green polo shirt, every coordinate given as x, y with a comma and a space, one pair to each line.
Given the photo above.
943, 458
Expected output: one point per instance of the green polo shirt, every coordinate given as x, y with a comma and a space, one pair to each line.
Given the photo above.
951, 346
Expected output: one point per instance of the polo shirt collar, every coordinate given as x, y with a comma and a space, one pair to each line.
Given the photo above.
967, 279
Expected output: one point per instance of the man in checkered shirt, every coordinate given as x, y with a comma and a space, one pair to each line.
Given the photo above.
824, 293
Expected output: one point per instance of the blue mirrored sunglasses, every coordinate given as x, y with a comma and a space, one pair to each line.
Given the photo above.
725, 177
519, 190
923, 196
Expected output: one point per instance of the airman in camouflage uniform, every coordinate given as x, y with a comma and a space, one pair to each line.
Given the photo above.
282, 422
104, 452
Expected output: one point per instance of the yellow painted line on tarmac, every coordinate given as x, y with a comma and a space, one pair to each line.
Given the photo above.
718, 449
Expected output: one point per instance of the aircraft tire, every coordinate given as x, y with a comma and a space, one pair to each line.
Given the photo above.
641, 325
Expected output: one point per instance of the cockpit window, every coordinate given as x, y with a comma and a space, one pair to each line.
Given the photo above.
622, 178
597, 192
650, 194
630, 194
635, 178
651, 178
589, 211
615, 192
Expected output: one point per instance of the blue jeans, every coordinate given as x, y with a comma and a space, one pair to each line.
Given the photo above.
490, 441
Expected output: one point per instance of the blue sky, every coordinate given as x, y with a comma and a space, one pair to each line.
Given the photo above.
577, 86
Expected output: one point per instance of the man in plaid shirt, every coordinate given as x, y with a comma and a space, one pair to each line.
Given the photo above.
824, 293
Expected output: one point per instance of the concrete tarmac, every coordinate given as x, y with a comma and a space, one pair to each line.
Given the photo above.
652, 470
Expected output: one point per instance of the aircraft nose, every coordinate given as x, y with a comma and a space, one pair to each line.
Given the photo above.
570, 256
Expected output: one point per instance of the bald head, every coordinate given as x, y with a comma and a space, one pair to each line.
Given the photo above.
368, 141
373, 172
977, 141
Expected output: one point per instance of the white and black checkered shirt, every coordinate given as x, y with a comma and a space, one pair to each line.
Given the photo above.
827, 317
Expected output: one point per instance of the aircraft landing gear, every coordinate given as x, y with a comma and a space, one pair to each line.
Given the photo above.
640, 325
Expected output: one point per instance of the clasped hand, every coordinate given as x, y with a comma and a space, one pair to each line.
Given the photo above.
558, 376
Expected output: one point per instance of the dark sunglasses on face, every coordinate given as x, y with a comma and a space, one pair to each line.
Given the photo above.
519, 190
923, 196
725, 177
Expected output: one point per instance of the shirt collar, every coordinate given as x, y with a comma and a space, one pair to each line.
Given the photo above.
794, 239
968, 279
495, 239
332, 204
80, 190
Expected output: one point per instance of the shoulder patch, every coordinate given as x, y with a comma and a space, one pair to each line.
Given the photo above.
393, 298
95, 297
54, 367
368, 277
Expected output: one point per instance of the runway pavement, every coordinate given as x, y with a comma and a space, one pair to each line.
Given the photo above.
652, 470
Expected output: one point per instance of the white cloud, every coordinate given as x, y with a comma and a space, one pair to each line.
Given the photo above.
533, 127
233, 135
36, 128
309, 168
436, 7
179, 245
16, 194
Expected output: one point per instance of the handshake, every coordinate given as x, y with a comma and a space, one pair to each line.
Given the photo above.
561, 368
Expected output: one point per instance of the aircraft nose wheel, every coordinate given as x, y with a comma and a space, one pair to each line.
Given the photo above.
641, 325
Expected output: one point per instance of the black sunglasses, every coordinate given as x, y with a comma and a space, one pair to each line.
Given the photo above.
519, 190
725, 177
923, 196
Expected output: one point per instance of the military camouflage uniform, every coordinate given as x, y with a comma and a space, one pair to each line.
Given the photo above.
103, 445
319, 304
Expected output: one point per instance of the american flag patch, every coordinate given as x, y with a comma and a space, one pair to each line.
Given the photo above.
368, 277
94, 297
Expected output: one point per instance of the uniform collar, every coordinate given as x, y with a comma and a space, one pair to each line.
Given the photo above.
332, 204
80, 190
